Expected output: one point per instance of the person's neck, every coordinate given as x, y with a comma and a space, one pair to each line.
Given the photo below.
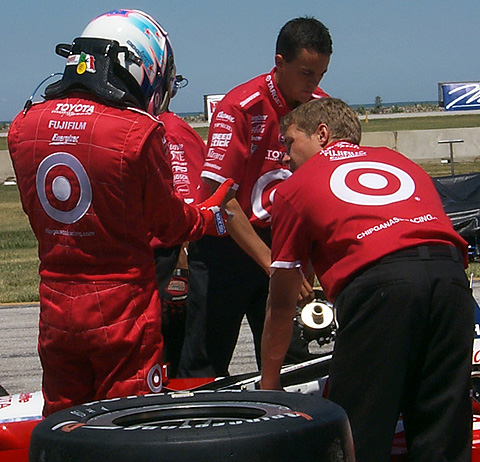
291, 103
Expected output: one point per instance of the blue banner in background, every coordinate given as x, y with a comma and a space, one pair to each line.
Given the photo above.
461, 96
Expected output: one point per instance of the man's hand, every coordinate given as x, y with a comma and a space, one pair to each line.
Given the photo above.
212, 209
306, 294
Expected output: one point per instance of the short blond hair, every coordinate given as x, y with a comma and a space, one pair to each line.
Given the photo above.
335, 113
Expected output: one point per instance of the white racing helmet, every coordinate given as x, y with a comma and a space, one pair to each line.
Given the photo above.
151, 60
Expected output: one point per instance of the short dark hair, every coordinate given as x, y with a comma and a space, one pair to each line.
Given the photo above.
340, 118
304, 32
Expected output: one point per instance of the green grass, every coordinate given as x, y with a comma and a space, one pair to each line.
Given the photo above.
18, 246
386, 124
203, 132
421, 123
18, 251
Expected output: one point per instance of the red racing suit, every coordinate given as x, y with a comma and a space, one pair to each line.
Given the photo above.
186, 154
94, 187
245, 144
379, 202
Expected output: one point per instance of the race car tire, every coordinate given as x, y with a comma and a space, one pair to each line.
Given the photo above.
3, 392
202, 426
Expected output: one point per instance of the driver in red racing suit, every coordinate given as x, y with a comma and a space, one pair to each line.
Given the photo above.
94, 182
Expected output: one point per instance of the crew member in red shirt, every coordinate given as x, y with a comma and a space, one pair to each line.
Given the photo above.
186, 155
244, 143
94, 181
372, 225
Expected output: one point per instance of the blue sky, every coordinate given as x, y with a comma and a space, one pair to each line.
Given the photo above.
396, 49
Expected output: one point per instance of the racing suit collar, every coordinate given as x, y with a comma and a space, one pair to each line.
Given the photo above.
278, 101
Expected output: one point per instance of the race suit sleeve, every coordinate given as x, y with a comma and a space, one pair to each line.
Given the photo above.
187, 155
228, 146
171, 219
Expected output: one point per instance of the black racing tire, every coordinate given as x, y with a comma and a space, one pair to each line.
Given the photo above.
3, 392
197, 427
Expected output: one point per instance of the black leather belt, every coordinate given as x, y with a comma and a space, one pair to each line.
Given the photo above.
427, 252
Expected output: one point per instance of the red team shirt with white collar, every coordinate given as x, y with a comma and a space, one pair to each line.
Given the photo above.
245, 144
378, 201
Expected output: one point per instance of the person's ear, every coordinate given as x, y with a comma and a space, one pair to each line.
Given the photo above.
322, 133
279, 62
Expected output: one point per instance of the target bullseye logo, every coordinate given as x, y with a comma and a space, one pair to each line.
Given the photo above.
56, 190
261, 202
371, 183
154, 379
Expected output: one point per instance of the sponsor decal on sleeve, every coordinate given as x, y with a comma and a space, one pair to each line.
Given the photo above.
214, 155
221, 140
225, 117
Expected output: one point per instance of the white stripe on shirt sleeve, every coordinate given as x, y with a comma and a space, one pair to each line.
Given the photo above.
285, 265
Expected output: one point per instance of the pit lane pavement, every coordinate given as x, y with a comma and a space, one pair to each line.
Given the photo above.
20, 369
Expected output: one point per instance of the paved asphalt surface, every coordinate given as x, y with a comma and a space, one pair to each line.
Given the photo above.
20, 369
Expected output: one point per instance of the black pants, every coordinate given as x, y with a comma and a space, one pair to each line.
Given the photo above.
165, 263
404, 344
225, 284
173, 331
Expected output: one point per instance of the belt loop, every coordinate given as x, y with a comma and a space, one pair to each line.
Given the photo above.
455, 253
423, 252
